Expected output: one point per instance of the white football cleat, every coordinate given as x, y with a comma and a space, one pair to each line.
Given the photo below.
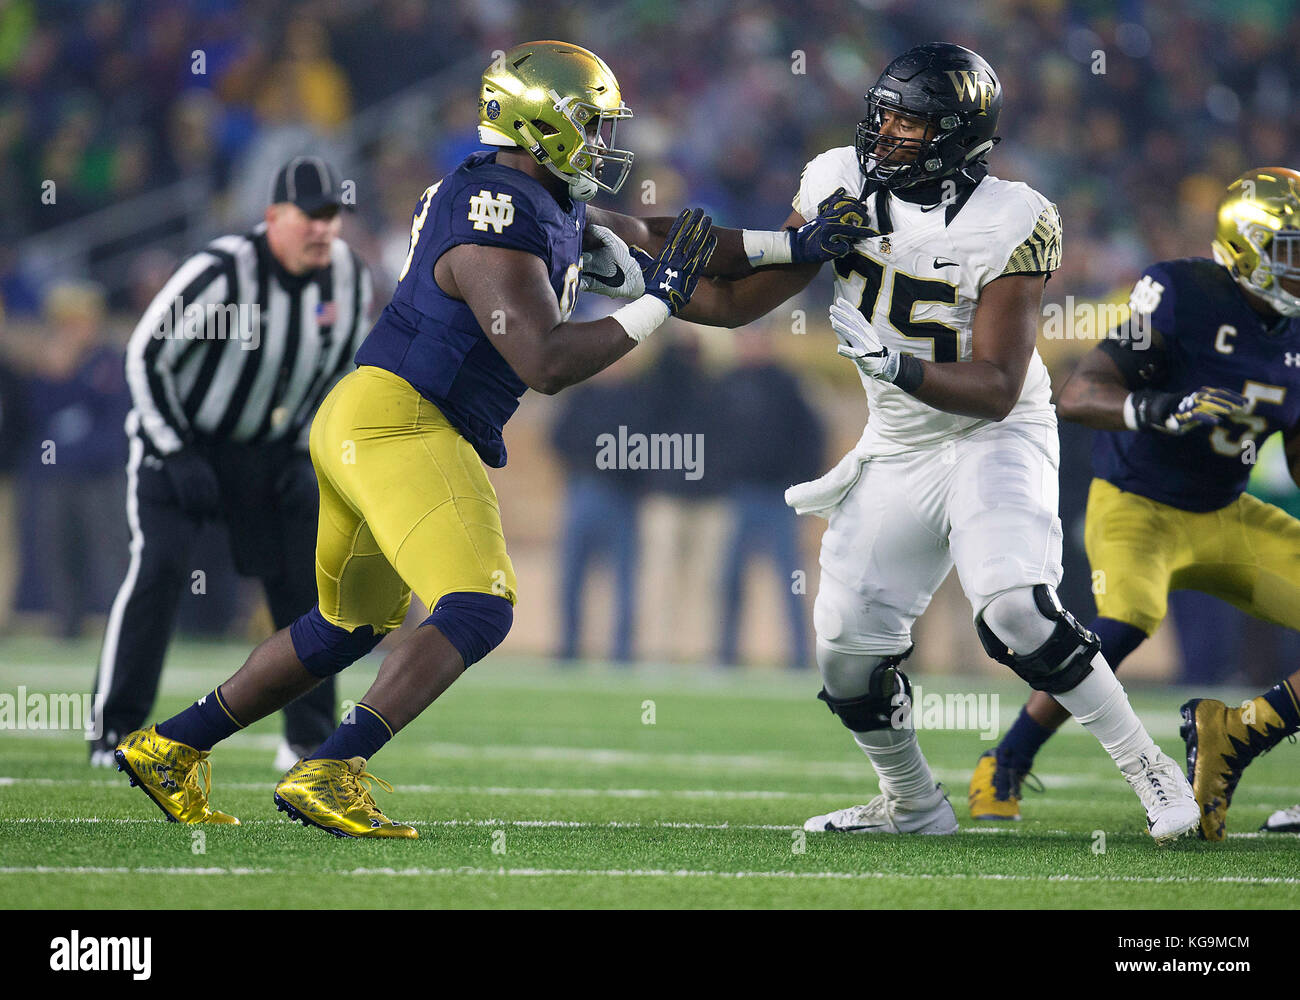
883, 814
1171, 807
286, 755
1283, 821
102, 758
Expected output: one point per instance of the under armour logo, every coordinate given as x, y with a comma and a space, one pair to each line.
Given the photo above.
203, 700
670, 274
1292, 360
488, 209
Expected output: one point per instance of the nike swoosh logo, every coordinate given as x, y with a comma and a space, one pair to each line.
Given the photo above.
613, 280
944, 262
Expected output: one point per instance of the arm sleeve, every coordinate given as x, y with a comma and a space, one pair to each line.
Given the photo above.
156, 349
1139, 344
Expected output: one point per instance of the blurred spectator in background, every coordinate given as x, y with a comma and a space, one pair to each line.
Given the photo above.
71, 488
683, 517
601, 508
768, 438
12, 439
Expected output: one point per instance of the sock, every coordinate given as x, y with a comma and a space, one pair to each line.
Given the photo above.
1101, 706
1118, 639
1022, 741
203, 725
902, 768
360, 736
1026, 736
1277, 716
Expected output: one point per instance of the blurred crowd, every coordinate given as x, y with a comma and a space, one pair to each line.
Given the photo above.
1131, 116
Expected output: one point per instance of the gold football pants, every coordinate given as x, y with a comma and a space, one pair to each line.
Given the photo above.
1247, 553
405, 505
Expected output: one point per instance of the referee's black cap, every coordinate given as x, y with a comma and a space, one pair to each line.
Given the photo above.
308, 182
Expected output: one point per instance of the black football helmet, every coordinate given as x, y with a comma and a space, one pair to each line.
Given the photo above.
950, 88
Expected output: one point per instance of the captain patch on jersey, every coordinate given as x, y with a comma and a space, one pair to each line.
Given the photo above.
1205, 334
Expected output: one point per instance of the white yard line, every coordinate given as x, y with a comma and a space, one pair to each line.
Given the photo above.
1062, 781
578, 824
667, 873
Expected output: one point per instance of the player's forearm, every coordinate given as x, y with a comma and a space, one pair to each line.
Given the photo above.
573, 352
1093, 401
969, 388
728, 260
733, 302
716, 302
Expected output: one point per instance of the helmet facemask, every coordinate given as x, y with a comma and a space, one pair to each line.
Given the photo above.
1279, 257
592, 148
561, 104
879, 154
1258, 236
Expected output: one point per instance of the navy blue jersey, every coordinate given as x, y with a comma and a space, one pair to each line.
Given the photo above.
1211, 337
432, 340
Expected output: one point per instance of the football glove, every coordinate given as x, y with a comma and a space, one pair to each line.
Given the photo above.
841, 221
194, 483
859, 343
609, 269
1170, 413
687, 249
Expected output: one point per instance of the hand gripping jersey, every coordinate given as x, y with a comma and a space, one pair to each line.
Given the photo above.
919, 286
1210, 337
433, 341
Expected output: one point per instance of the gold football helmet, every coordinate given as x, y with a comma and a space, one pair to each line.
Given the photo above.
1258, 235
562, 104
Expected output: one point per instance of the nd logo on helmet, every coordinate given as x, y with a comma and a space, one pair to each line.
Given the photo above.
970, 86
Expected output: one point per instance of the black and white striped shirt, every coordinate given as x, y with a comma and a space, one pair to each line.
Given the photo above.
234, 348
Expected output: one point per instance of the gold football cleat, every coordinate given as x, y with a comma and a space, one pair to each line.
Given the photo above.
1221, 741
334, 795
169, 773
985, 803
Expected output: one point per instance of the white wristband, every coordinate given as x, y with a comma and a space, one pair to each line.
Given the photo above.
642, 317
1130, 414
763, 247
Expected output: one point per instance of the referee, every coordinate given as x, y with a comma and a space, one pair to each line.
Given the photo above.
226, 369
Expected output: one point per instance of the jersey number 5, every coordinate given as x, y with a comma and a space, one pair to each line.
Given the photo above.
905, 294
1256, 392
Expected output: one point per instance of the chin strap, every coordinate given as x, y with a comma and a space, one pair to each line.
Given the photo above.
580, 188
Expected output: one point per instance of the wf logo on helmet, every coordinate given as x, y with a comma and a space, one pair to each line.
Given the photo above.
969, 86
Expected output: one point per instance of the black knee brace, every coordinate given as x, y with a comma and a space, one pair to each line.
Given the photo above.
887, 687
1059, 664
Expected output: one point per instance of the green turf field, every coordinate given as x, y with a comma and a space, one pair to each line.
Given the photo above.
539, 786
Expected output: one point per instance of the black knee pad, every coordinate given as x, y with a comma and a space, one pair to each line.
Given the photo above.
1059, 664
875, 709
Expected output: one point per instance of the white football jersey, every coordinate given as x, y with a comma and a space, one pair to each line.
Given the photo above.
919, 286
